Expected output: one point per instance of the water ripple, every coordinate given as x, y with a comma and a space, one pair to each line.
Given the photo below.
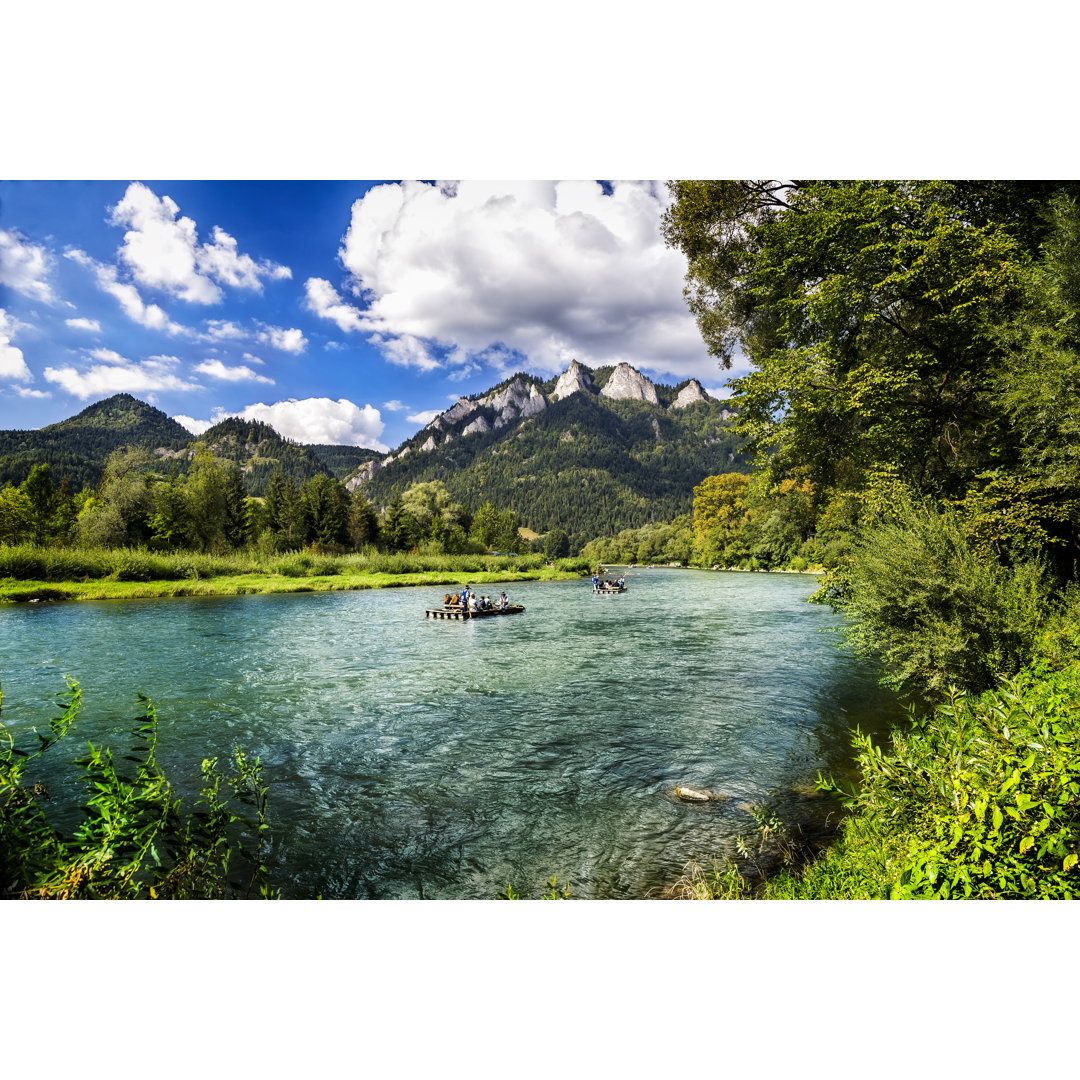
410, 757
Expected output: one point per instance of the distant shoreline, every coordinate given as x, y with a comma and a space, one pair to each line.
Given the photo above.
12, 591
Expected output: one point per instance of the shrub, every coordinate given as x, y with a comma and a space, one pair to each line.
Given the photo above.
919, 598
984, 794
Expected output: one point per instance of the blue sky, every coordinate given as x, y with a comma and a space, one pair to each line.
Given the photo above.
343, 312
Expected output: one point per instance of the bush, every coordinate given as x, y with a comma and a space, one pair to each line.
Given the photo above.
981, 798
920, 599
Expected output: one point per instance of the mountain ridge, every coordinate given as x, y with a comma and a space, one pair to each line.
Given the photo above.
589, 450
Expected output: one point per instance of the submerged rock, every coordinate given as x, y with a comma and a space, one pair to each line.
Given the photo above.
689, 794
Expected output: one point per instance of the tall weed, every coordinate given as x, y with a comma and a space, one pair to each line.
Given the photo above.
135, 842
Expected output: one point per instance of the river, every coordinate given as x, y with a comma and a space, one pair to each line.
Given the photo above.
418, 758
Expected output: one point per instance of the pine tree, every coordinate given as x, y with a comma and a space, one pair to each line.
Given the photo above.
236, 523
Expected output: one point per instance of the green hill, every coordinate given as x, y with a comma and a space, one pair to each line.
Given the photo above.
75, 449
260, 452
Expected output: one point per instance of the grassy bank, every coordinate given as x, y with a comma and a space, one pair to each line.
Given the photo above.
29, 573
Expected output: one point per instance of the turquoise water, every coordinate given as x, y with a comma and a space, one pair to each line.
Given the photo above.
410, 757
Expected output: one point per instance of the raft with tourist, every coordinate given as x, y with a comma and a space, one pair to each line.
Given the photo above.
467, 605
608, 586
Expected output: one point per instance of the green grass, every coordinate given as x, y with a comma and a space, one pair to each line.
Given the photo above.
32, 573
242, 584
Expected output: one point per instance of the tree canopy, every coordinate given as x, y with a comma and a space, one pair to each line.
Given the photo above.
870, 313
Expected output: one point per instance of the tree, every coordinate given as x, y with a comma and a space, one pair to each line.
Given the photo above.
868, 312
236, 517
16, 516
205, 490
326, 503
556, 544
424, 501
507, 536
120, 512
486, 524
363, 522
719, 513
284, 512
38, 488
399, 528
170, 521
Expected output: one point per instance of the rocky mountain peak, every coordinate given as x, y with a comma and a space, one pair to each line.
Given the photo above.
628, 382
692, 392
462, 408
517, 400
573, 379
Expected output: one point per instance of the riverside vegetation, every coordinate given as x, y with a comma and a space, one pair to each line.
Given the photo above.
915, 387
136, 841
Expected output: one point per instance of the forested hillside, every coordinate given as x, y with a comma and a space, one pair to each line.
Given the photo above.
75, 449
588, 464
259, 451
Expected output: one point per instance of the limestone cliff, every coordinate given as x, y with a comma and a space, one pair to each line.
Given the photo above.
692, 392
626, 382
573, 379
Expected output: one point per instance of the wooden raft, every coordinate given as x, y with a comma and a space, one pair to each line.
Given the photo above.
459, 613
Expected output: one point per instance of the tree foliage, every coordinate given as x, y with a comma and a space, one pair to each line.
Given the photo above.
868, 310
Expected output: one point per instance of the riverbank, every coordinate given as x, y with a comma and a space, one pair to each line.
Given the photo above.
33, 573
245, 584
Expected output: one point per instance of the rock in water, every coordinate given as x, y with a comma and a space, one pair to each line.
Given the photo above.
690, 794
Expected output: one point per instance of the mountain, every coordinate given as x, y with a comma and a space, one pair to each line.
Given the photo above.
259, 451
75, 449
591, 451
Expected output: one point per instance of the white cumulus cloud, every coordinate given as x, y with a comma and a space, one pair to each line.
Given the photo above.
241, 373
323, 299
25, 267
394, 406
163, 251
423, 418
223, 330
114, 374
196, 427
148, 315
317, 420
496, 272
12, 363
291, 340
84, 324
